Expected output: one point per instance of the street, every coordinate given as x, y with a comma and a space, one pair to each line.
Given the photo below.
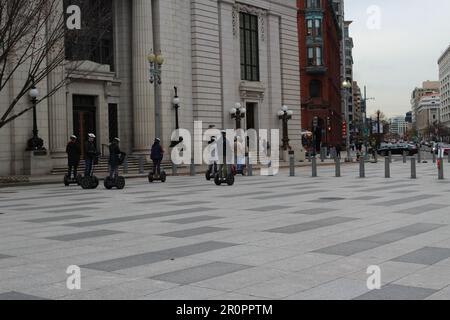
264, 238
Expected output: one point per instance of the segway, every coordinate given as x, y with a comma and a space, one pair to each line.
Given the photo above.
224, 176
68, 180
91, 181
152, 177
117, 181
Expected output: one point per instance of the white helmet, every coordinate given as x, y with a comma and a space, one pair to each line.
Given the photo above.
91, 135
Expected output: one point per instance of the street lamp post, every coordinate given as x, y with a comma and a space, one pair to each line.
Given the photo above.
346, 85
285, 115
35, 143
176, 106
238, 113
155, 77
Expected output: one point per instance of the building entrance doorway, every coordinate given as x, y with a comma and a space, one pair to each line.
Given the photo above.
84, 118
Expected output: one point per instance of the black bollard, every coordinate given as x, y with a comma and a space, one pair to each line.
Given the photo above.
441, 169
192, 169
174, 169
141, 164
291, 164
387, 168
314, 167
419, 156
362, 169
338, 167
413, 168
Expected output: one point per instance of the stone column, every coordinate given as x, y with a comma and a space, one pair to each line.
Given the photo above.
143, 92
57, 110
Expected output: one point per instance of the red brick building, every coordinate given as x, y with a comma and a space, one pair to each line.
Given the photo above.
320, 39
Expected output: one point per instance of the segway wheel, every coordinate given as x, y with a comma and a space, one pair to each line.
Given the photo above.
66, 181
230, 180
86, 183
79, 177
217, 180
108, 183
208, 176
163, 177
150, 177
95, 182
120, 183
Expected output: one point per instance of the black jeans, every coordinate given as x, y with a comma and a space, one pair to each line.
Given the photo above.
157, 167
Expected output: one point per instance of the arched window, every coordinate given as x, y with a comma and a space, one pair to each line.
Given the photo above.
315, 88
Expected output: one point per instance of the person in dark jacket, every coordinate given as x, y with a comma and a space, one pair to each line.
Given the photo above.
90, 154
115, 158
73, 156
157, 155
338, 150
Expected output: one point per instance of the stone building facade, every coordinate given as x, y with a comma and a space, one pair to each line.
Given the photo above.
217, 53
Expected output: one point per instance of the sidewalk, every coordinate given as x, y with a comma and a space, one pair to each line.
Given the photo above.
15, 181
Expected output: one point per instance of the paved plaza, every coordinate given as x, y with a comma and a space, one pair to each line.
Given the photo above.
264, 238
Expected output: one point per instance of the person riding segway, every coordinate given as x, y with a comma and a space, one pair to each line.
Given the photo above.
213, 158
73, 156
157, 155
116, 159
225, 174
90, 181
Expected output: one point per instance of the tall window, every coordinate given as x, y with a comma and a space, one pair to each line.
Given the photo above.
314, 27
312, 4
249, 47
315, 56
94, 41
315, 88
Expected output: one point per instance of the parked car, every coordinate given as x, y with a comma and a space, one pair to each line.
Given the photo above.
397, 149
445, 148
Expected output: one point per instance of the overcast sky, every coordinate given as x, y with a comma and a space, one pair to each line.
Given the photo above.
396, 57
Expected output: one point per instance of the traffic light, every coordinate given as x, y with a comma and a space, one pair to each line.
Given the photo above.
329, 124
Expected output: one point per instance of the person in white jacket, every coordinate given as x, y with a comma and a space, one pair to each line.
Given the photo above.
240, 149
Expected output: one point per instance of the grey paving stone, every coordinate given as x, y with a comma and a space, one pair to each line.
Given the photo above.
193, 219
349, 248
426, 256
405, 200
397, 292
315, 211
366, 198
3, 256
422, 209
188, 203
316, 224
84, 235
136, 217
419, 228
269, 208
200, 273
387, 237
192, 232
59, 218
153, 257
72, 209
12, 295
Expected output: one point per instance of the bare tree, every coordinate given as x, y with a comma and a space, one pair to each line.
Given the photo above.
34, 39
